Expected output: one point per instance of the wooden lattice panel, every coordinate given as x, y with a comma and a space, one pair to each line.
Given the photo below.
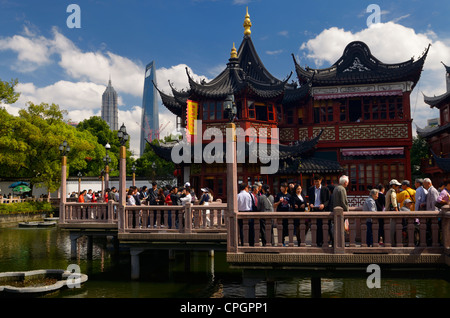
329, 133
380, 131
286, 134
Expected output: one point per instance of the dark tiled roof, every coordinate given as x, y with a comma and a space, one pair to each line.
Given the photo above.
310, 165
430, 132
436, 101
175, 103
442, 163
246, 71
297, 149
358, 66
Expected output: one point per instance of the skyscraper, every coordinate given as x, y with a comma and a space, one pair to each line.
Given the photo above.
150, 116
109, 107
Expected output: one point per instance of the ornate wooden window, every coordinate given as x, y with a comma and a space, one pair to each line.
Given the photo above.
359, 109
260, 111
365, 175
212, 110
323, 111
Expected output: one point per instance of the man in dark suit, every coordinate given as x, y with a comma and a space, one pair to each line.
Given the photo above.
318, 201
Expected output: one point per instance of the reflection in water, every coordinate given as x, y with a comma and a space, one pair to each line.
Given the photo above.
23, 249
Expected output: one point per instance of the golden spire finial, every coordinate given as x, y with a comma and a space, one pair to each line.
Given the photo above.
233, 52
247, 24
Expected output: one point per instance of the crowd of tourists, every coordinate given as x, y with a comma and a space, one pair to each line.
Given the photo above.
397, 196
400, 196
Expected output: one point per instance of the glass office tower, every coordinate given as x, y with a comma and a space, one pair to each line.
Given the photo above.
150, 118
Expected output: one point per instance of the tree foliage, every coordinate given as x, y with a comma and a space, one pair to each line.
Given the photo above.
419, 151
8, 95
150, 165
29, 145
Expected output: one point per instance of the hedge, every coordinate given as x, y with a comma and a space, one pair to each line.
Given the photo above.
25, 207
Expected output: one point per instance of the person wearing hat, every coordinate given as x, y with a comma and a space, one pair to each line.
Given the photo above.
391, 196
407, 205
406, 193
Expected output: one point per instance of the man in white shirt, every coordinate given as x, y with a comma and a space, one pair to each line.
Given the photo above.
89, 195
186, 198
244, 201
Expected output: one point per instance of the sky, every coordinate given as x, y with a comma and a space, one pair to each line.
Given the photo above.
55, 62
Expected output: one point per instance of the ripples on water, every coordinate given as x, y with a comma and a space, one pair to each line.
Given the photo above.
23, 249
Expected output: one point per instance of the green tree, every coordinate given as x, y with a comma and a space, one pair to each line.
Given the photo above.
29, 145
100, 128
152, 166
419, 151
8, 95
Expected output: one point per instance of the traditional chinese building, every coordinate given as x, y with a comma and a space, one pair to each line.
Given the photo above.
351, 118
438, 137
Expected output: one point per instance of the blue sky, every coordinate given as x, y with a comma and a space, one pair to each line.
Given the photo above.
71, 67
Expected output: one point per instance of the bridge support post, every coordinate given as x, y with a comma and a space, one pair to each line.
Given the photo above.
135, 266
73, 244
90, 246
316, 288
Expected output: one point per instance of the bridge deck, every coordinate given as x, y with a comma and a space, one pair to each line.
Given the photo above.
290, 238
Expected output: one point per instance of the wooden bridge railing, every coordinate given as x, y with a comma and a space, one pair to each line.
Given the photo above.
75, 212
421, 231
174, 218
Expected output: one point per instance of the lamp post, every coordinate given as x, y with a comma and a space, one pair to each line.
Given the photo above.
107, 161
79, 181
154, 170
64, 149
123, 138
230, 108
133, 168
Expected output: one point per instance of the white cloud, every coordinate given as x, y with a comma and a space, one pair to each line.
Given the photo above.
32, 52
68, 95
390, 43
276, 52
89, 71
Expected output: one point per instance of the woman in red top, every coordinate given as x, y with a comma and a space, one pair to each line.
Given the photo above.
81, 196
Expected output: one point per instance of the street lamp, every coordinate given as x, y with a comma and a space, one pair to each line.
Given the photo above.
154, 170
79, 181
107, 161
133, 168
122, 134
64, 149
123, 138
230, 107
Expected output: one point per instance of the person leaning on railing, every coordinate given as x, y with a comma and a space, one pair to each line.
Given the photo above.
370, 206
265, 204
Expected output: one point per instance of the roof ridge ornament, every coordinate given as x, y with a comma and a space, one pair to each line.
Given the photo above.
247, 24
233, 52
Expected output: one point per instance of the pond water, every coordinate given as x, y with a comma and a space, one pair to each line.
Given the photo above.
24, 249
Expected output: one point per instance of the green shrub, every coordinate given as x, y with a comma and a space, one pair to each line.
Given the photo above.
25, 207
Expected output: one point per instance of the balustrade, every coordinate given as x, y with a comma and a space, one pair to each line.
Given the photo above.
286, 232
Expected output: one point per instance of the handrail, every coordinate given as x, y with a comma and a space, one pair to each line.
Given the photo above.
425, 230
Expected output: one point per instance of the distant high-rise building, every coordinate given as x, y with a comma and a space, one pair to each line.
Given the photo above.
150, 115
110, 112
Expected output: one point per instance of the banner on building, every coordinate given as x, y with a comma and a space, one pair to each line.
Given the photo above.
191, 114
